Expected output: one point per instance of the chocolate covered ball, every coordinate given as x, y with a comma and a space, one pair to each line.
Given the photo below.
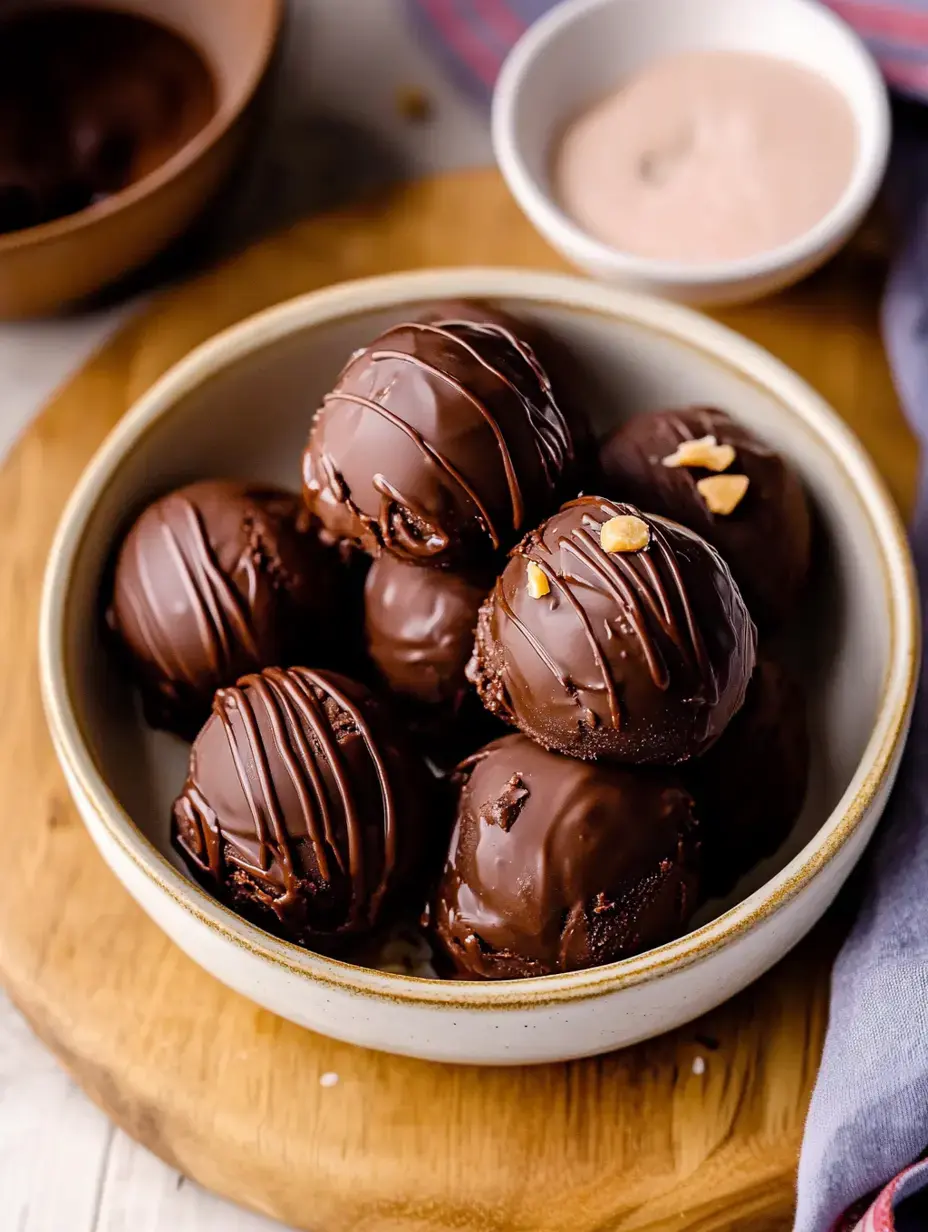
688, 465
569, 380
751, 785
557, 864
419, 629
480, 312
215, 580
303, 806
440, 444
615, 634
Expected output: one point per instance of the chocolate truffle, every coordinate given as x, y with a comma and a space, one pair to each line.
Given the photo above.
480, 312
214, 580
440, 444
617, 634
569, 380
557, 864
751, 785
419, 628
765, 537
303, 808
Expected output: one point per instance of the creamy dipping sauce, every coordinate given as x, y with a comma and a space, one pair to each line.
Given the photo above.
707, 156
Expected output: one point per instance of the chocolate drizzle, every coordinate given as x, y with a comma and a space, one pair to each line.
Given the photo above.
645, 655
219, 612
308, 827
490, 446
212, 581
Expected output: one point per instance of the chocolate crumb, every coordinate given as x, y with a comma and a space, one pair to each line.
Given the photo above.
414, 104
504, 810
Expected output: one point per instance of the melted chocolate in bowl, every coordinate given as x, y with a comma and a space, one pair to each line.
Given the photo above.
90, 101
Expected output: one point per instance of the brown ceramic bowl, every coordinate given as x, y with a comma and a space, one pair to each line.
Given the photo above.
46, 267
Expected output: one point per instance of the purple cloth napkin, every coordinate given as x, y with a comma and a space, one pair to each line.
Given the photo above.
868, 1121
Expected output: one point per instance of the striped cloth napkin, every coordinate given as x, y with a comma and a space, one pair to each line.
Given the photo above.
867, 1127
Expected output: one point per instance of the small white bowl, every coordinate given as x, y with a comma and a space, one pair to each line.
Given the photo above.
582, 49
242, 405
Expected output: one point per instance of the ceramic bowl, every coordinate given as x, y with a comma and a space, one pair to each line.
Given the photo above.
44, 268
582, 49
242, 405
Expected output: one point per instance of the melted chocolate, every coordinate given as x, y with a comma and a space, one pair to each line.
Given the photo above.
303, 807
440, 443
765, 540
636, 656
751, 785
215, 580
557, 864
90, 101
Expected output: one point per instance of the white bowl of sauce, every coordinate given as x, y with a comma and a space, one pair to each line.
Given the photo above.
709, 151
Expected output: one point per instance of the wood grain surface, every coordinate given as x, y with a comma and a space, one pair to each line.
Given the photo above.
696, 1131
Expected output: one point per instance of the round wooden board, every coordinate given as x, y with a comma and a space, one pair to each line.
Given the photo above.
230, 1094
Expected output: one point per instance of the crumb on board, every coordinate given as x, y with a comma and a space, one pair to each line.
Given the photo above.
699, 1065
328, 1079
414, 104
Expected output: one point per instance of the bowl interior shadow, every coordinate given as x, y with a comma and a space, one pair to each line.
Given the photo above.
251, 418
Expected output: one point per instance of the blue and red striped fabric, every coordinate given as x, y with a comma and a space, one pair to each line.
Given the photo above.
473, 36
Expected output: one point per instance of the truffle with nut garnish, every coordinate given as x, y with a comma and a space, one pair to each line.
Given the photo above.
612, 633
700, 467
557, 864
214, 580
440, 444
305, 809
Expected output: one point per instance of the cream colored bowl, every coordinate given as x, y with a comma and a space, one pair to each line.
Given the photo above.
241, 405
581, 50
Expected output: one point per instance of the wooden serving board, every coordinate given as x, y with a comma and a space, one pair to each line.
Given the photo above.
229, 1094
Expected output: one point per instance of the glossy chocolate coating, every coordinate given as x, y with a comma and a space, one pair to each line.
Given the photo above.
419, 629
440, 444
750, 787
765, 540
215, 580
632, 656
568, 378
303, 807
90, 101
557, 864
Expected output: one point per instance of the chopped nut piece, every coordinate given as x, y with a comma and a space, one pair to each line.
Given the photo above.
414, 104
723, 493
624, 534
538, 584
705, 452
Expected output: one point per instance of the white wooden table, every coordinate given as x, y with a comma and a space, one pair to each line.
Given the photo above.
63, 1166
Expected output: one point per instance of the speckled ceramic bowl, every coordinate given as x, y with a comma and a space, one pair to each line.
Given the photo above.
858, 651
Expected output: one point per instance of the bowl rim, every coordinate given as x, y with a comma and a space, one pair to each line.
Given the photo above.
823, 236
687, 328
202, 141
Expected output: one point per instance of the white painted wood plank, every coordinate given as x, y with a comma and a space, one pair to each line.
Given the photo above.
141, 1194
53, 1141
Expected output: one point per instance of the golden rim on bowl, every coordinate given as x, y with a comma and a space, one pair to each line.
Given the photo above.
809, 413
